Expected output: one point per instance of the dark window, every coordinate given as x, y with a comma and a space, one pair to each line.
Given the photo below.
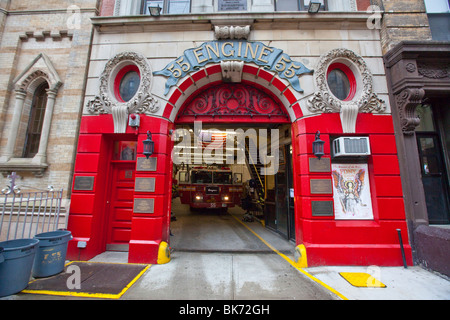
35, 121
439, 19
222, 178
339, 84
432, 143
201, 176
341, 81
297, 5
168, 6
129, 85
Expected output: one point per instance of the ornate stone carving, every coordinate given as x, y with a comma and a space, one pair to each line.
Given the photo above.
366, 101
410, 67
231, 32
434, 70
106, 102
406, 102
33, 71
232, 70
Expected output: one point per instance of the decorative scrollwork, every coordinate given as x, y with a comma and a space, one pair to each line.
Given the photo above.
434, 70
407, 102
323, 101
231, 32
142, 102
232, 100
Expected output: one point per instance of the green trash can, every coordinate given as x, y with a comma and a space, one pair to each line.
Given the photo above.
51, 253
16, 262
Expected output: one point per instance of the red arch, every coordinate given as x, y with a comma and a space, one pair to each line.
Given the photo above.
268, 83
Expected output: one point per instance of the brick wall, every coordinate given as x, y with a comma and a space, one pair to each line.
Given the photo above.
28, 32
403, 20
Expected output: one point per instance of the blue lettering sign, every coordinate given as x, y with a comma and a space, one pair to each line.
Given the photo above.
271, 59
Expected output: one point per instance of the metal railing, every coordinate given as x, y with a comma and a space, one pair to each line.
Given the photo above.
25, 214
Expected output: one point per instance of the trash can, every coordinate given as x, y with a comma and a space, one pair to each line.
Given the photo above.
16, 263
51, 253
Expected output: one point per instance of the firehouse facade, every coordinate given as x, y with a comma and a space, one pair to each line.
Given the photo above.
316, 76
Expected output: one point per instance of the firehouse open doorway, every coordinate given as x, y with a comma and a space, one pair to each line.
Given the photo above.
232, 159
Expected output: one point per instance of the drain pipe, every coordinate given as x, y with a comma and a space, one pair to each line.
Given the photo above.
401, 247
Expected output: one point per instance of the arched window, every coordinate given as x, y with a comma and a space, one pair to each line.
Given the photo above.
35, 121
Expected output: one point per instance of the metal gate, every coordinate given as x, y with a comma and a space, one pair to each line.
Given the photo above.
25, 214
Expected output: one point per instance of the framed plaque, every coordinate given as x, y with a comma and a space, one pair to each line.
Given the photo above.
232, 5
322, 165
321, 186
144, 164
322, 208
83, 183
145, 185
144, 205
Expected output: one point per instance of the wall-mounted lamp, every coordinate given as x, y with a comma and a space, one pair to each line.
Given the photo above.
155, 11
318, 146
314, 7
149, 145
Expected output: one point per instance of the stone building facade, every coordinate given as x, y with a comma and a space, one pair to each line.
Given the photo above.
69, 58
417, 59
44, 52
183, 56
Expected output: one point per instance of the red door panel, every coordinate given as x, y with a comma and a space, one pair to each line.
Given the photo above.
121, 203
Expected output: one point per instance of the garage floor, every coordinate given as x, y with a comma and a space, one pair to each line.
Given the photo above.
212, 231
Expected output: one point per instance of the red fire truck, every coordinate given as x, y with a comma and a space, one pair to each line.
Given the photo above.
210, 187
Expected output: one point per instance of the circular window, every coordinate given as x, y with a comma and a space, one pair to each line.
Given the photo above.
341, 81
127, 83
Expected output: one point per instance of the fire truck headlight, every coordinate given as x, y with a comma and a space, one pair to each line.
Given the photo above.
226, 198
198, 197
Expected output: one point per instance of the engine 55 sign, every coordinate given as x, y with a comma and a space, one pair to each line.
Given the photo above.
271, 59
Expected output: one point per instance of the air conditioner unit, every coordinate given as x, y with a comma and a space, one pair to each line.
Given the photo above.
351, 147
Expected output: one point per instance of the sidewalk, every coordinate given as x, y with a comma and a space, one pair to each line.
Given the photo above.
230, 260
413, 283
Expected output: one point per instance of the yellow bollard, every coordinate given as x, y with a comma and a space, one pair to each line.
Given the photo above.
300, 256
163, 253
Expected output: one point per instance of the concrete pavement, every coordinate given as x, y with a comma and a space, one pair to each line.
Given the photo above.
218, 257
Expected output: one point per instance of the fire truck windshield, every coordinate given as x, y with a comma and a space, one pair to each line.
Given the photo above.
222, 178
202, 176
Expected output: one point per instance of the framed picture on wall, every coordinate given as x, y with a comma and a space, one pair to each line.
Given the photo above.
351, 192
125, 150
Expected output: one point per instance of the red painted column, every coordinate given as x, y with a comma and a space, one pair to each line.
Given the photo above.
87, 214
150, 225
350, 242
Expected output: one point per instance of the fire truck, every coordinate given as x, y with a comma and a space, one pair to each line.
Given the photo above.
210, 187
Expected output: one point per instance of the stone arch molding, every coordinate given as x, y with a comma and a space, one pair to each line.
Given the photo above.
106, 102
40, 70
365, 100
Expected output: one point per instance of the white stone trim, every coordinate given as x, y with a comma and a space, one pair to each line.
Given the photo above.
365, 100
142, 102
